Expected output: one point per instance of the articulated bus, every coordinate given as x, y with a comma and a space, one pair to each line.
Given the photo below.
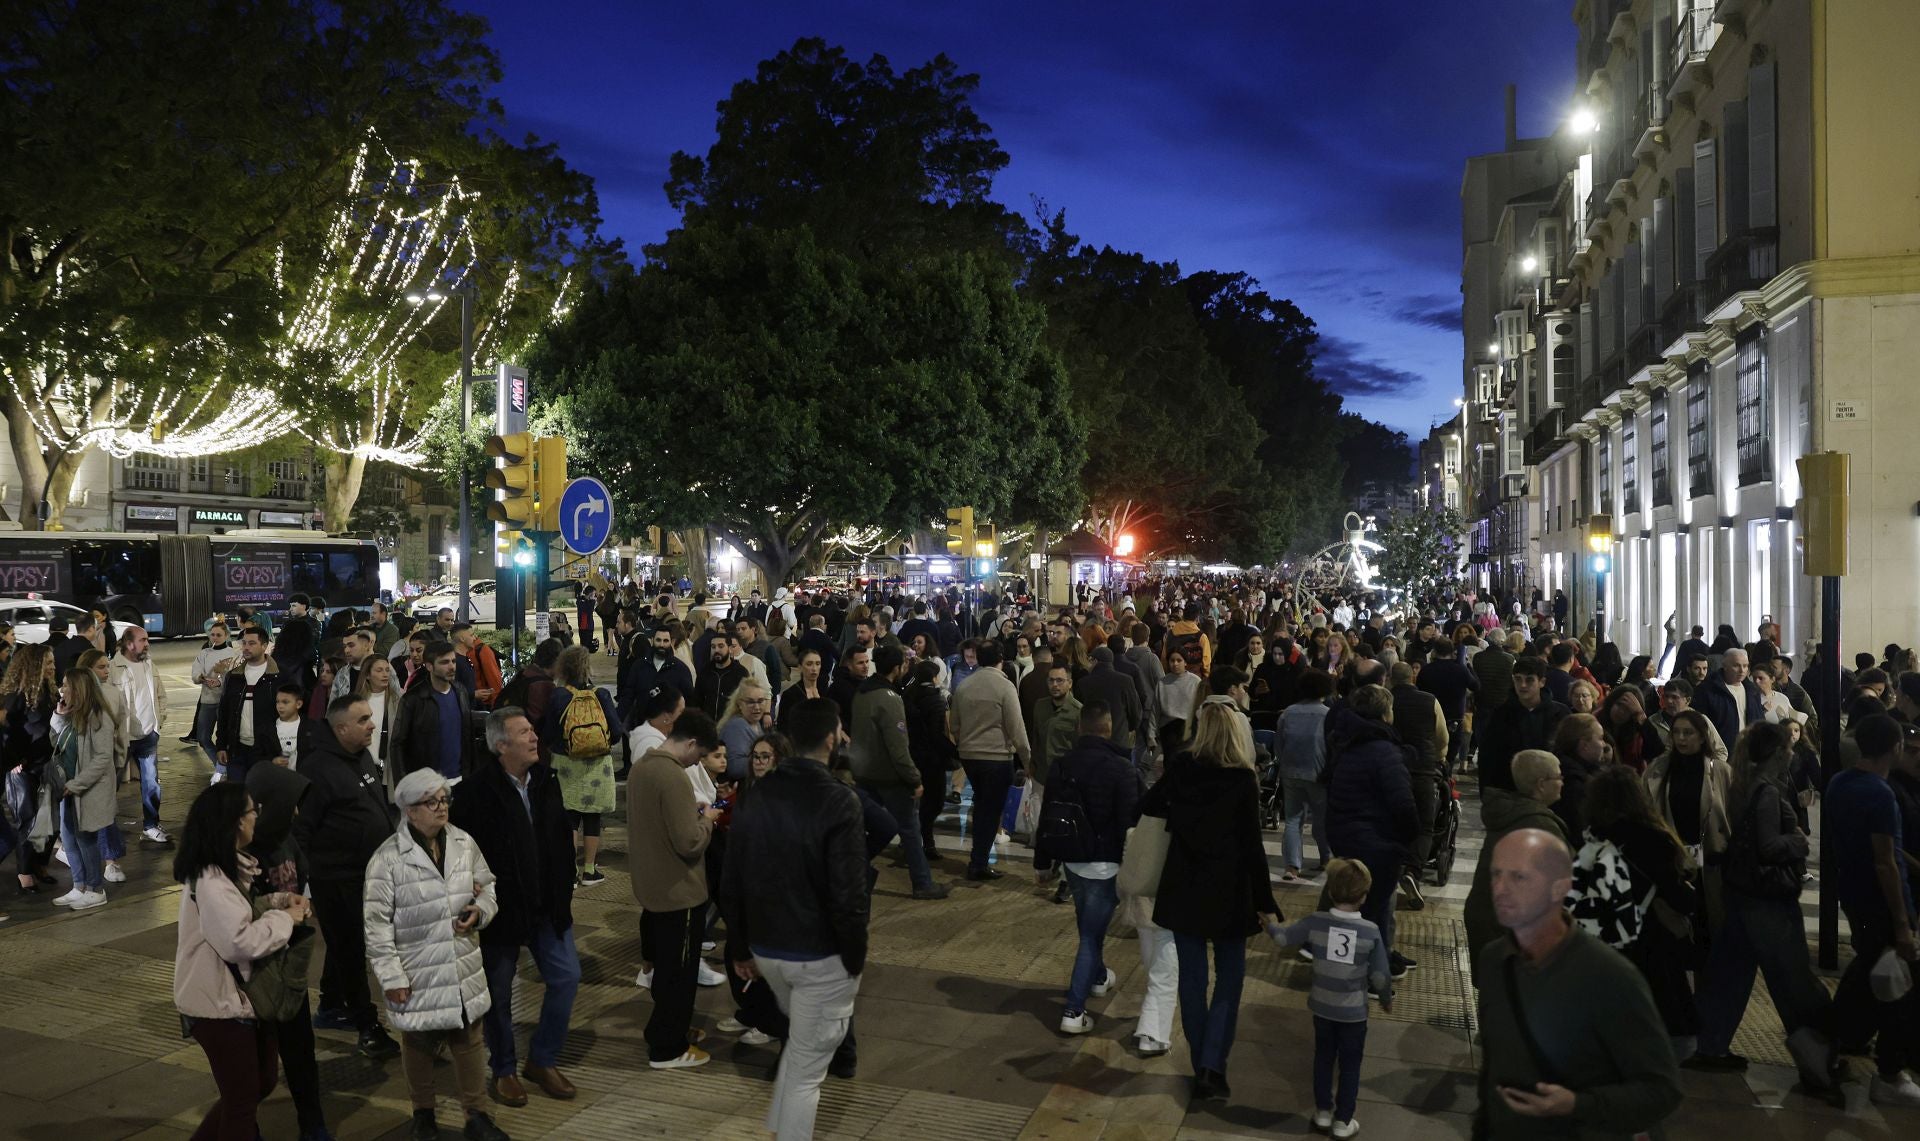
170, 584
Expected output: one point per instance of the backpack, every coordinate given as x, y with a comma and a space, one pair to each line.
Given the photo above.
584, 732
1605, 900
1187, 645
1063, 833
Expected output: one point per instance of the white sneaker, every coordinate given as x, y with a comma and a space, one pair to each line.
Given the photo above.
1903, 1090
707, 947
1323, 1119
92, 899
729, 1025
1306, 956
113, 874
694, 1056
1001, 838
1107, 984
1076, 1023
1152, 1047
67, 899
60, 853
711, 977
217, 778
752, 1037
644, 978
157, 835
1346, 1128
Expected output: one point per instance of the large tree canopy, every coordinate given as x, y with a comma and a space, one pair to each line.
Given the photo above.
751, 380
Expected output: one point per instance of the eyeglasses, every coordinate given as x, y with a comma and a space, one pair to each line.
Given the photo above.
433, 802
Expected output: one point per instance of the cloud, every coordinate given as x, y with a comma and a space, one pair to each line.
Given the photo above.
1349, 372
1433, 311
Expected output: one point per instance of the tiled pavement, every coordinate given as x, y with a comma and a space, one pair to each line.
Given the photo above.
957, 1019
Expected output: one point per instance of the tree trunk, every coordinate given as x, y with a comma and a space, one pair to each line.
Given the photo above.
24, 438
345, 474
693, 540
60, 477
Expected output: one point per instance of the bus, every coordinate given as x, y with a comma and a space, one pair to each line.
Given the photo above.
171, 584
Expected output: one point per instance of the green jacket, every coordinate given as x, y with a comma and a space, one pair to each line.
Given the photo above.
1594, 1029
1052, 732
879, 751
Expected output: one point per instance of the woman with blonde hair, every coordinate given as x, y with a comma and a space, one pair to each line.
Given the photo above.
747, 716
380, 685
584, 768
112, 844
28, 694
1214, 890
1583, 696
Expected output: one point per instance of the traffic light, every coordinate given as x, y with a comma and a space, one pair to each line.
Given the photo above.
514, 476
986, 541
1823, 513
960, 532
549, 481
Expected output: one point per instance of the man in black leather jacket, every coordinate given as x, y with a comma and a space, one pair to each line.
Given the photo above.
795, 895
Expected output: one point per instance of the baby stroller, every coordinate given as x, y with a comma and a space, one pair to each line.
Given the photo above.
1272, 800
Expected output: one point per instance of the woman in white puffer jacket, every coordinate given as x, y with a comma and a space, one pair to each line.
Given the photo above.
429, 891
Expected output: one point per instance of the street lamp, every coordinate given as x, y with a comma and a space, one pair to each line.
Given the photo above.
1584, 121
1529, 263
466, 291
1600, 548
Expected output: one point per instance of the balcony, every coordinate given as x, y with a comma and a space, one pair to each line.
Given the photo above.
1680, 317
1545, 437
1744, 261
1694, 35
1643, 348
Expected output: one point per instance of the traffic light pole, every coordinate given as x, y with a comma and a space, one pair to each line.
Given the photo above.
1828, 950
466, 475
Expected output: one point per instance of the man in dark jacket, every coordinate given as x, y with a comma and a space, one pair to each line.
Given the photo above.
1097, 774
434, 726
1371, 816
718, 678
244, 724
882, 762
645, 672
1527, 721
67, 649
1422, 727
343, 819
1115, 690
816, 638
513, 812
1732, 700
1449, 682
795, 895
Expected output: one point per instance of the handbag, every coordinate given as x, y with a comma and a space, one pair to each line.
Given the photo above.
1742, 870
277, 988
1144, 858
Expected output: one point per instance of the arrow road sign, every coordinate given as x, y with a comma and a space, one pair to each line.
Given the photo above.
586, 515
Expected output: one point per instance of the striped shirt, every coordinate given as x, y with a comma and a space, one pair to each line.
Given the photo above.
1348, 956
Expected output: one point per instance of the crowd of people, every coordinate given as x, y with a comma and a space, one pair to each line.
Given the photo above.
430, 816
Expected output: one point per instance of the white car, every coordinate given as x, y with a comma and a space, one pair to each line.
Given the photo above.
29, 616
479, 603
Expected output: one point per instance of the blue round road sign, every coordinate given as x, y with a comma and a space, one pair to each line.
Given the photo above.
586, 515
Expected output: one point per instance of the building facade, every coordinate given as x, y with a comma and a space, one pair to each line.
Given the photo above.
1726, 277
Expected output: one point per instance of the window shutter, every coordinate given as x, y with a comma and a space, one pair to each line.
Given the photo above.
1734, 189
1606, 308
1683, 270
1586, 344
1762, 162
1706, 211
1662, 66
1631, 316
1662, 255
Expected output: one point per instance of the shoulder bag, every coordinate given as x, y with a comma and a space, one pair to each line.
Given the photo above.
277, 988
1145, 857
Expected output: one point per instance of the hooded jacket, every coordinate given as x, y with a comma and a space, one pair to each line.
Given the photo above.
278, 792
1109, 793
1214, 883
1370, 806
1501, 811
345, 816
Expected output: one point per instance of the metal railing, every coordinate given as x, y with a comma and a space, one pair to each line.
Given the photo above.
1744, 261
1694, 34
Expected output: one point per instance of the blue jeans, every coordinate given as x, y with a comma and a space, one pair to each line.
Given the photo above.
990, 780
144, 751
1767, 935
1094, 902
1385, 867
1342, 1042
83, 848
906, 817
1304, 795
1209, 1026
559, 966
205, 716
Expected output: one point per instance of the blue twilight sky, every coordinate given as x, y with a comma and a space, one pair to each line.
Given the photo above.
1316, 145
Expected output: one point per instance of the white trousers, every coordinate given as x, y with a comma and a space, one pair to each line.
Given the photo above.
1162, 965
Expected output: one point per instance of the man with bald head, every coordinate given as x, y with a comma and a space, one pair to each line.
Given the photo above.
1732, 700
1572, 1043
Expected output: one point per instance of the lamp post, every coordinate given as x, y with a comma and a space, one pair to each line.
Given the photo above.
1600, 548
465, 289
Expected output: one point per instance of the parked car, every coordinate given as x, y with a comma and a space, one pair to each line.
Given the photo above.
479, 603
29, 617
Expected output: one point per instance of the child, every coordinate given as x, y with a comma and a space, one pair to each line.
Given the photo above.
1349, 958
287, 701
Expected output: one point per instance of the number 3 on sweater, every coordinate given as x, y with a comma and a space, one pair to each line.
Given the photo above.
1340, 941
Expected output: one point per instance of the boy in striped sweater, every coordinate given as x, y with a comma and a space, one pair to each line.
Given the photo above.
1349, 958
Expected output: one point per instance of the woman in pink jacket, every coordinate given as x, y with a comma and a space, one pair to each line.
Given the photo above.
219, 941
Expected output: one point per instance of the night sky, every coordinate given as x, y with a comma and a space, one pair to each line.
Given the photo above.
1317, 146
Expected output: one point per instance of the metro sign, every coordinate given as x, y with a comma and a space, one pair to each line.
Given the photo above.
517, 393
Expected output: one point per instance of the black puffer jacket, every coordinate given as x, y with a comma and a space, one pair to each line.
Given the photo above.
1109, 792
1370, 807
1215, 882
345, 816
796, 869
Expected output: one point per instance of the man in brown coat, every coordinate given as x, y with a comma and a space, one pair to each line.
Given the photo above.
667, 836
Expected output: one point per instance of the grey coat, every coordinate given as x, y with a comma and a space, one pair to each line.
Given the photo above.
92, 786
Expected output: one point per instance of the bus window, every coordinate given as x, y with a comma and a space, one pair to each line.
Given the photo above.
353, 577
122, 576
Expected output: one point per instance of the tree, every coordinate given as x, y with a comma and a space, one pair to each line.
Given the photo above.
1421, 554
840, 391
1372, 453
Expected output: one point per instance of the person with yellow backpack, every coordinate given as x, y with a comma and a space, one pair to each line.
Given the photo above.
580, 728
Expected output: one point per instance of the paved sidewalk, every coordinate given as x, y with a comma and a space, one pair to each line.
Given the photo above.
957, 1022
